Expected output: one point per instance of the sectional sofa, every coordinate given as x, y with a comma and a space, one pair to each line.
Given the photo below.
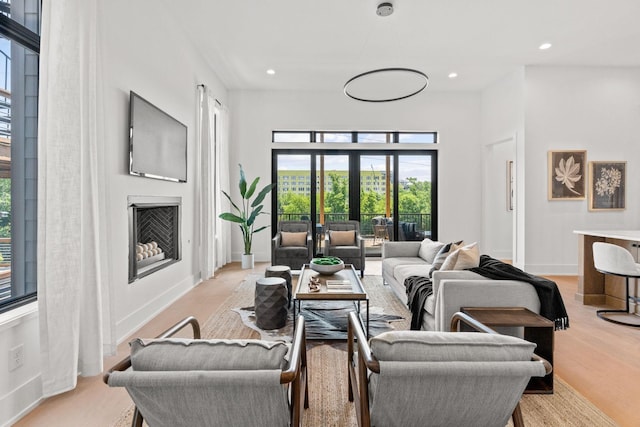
452, 289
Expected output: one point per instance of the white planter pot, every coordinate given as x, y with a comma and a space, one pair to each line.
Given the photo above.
247, 261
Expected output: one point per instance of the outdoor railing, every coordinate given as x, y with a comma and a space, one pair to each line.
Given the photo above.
422, 221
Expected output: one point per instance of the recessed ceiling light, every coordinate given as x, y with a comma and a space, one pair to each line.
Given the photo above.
544, 46
271, 71
453, 75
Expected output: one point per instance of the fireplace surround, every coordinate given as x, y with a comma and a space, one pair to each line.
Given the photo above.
154, 234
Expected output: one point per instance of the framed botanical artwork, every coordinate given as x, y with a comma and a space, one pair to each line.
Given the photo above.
566, 175
607, 185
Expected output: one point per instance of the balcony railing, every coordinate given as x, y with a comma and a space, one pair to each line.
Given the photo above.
413, 226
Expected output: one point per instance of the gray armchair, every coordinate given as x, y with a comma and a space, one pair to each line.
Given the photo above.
421, 378
215, 382
342, 239
290, 247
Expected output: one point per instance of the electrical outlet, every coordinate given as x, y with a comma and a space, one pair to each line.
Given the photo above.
16, 357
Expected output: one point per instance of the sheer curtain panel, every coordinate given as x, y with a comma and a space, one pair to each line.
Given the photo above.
223, 228
205, 182
73, 298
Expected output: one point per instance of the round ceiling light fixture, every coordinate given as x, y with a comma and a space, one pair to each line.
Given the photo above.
386, 84
384, 9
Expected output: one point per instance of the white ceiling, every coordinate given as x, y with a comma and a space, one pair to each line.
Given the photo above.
319, 45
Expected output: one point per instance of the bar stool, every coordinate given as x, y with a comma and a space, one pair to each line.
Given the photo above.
617, 261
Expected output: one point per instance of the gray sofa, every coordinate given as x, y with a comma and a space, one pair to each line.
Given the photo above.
451, 289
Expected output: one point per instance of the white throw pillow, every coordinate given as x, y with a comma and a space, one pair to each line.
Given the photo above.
429, 249
462, 258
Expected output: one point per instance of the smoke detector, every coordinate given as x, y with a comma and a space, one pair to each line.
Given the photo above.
384, 9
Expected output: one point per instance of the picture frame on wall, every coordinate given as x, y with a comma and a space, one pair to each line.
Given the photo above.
607, 185
566, 175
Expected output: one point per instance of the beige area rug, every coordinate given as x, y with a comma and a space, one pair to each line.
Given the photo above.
327, 365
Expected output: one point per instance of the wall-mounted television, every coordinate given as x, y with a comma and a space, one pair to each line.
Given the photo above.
157, 142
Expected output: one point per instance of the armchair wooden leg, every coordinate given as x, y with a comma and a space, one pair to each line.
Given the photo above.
518, 421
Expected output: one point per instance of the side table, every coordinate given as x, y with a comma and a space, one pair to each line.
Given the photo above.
271, 303
284, 272
537, 329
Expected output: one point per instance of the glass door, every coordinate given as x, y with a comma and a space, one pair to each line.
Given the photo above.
376, 201
293, 187
415, 197
332, 191
392, 194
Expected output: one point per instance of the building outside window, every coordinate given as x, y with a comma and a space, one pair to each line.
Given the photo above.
19, 61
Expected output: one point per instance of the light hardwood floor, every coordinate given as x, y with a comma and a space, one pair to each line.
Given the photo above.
599, 359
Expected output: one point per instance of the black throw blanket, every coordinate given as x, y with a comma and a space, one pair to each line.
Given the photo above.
418, 290
551, 304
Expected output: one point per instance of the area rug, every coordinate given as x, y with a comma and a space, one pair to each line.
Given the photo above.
329, 405
325, 320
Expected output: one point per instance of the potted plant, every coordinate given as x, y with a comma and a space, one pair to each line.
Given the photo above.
247, 213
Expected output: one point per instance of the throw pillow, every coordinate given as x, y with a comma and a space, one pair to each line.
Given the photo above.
291, 238
342, 238
462, 258
429, 249
441, 256
176, 354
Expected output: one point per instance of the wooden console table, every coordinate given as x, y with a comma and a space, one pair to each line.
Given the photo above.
537, 329
593, 287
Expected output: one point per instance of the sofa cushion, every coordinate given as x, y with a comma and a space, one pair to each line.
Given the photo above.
429, 249
390, 264
342, 238
293, 238
449, 346
441, 256
175, 354
462, 258
401, 272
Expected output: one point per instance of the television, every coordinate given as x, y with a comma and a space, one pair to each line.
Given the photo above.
157, 142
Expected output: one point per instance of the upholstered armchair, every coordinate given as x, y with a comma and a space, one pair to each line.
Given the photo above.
342, 239
424, 378
292, 245
194, 382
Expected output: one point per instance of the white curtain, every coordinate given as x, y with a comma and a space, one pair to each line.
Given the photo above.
72, 294
223, 228
205, 182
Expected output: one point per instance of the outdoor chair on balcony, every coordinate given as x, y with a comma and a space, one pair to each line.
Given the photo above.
425, 378
342, 239
195, 382
292, 245
379, 228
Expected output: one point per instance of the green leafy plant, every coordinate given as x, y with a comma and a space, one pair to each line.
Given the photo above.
246, 215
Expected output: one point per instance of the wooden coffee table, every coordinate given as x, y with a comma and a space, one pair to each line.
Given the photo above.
537, 329
344, 285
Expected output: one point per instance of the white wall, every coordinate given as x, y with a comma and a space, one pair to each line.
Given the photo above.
145, 55
142, 52
502, 117
454, 115
596, 109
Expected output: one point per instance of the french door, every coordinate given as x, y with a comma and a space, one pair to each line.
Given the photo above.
392, 193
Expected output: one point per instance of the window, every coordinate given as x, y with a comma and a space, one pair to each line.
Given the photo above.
360, 137
19, 49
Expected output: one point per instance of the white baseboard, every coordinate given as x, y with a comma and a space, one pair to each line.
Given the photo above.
138, 318
552, 269
10, 403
